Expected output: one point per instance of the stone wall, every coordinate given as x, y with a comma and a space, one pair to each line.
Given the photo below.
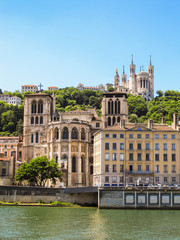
82, 196
116, 198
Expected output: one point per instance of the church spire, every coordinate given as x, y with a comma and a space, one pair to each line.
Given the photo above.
123, 70
132, 60
150, 60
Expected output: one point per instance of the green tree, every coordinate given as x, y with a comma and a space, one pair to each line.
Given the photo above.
110, 89
38, 171
160, 93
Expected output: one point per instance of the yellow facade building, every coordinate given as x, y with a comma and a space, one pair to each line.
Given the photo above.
130, 153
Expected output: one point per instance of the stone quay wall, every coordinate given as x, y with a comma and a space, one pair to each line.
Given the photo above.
150, 199
85, 196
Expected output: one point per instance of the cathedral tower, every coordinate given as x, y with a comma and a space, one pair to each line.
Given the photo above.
132, 77
150, 70
116, 81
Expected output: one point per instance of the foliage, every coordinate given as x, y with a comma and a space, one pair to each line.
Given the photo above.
110, 89
38, 171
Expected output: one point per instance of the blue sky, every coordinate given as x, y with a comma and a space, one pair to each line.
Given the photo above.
65, 42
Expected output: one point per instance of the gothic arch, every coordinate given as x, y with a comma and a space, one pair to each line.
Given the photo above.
40, 106
74, 133
41, 120
33, 107
82, 164
65, 133
74, 161
56, 133
118, 119
37, 137
114, 120
109, 121
37, 120
32, 120
83, 134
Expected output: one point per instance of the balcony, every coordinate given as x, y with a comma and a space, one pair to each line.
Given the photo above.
140, 172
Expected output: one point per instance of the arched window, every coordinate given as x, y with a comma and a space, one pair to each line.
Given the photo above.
109, 107
114, 120
37, 137
91, 169
74, 134
73, 164
65, 133
32, 120
115, 107
37, 120
83, 135
109, 121
119, 108
82, 164
32, 138
56, 159
33, 107
118, 119
112, 107
41, 120
40, 106
56, 133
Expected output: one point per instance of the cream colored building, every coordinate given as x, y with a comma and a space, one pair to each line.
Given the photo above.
137, 154
27, 88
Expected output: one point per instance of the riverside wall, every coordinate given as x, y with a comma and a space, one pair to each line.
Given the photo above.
87, 196
140, 198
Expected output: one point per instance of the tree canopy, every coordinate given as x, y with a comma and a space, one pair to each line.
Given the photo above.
38, 171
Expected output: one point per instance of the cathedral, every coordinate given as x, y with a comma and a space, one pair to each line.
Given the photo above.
141, 83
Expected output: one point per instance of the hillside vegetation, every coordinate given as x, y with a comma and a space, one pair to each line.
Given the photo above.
67, 99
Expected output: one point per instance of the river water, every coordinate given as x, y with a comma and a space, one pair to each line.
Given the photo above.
87, 223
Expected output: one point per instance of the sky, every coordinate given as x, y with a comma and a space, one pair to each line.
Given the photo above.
66, 42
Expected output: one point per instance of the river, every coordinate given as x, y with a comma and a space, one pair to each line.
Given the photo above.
87, 223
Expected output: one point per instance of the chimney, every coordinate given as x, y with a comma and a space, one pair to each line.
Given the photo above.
175, 121
122, 124
150, 123
163, 120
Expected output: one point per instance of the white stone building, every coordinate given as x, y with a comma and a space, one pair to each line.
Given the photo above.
10, 99
27, 88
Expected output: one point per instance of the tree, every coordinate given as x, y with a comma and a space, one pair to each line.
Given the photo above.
38, 171
110, 89
160, 93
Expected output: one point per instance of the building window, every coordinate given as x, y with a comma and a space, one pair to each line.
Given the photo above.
165, 157
147, 156
11, 153
5, 154
97, 125
33, 107
83, 134
164, 136
20, 154
37, 120
4, 164
156, 179
114, 158
106, 146
173, 168
147, 136
32, 120
3, 172
91, 170
156, 168
164, 146
156, 136
106, 179
139, 169
114, 146
82, 164
41, 120
173, 146
121, 168
114, 179
130, 135
173, 179
157, 157
121, 156
114, 168
5, 146
121, 146
147, 168
107, 156
130, 156
37, 137
114, 135
165, 179
74, 133
107, 135
139, 157
121, 135
131, 179
40, 106
156, 146
56, 133
65, 133
130, 146
73, 164
121, 179
138, 135
173, 157
106, 168
130, 168
147, 146
139, 146
173, 136
165, 168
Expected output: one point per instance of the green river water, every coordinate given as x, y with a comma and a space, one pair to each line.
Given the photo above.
87, 223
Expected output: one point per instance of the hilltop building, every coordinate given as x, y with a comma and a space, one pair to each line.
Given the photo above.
27, 88
141, 83
10, 99
98, 88
52, 88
